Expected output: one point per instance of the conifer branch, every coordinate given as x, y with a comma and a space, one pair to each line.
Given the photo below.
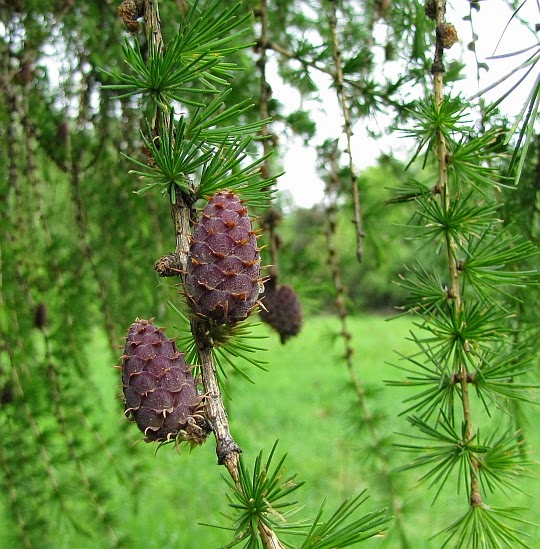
48, 461
438, 70
22, 108
269, 537
347, 127
71, 445
12, 135
264, 86
14, 499
332, 187
268, 140
306, 63
227, 450
284, 52
75, 174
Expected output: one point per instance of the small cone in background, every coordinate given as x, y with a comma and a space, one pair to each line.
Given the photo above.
223, 270
283, 311
160, 394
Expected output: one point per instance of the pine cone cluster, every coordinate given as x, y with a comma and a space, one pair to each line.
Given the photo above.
223, 270
283, 310
160, 394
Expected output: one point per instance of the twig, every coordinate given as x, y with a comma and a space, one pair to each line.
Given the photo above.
270, 45
267, 138
332, 186
47, 459
14, 500
331, 189
227, 450
75, 170
71, 444
265, 90
347, 128
438, 69
306, 63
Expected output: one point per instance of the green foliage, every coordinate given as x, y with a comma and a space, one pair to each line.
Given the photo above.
370, 284
334, 533
526, 120
470, 352
233, 345
176, 151
211, 143
484, 527
258, 500
194, 55
445, 451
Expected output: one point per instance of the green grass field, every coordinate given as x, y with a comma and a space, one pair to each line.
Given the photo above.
305, 402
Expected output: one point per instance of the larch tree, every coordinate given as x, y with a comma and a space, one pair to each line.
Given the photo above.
141, 149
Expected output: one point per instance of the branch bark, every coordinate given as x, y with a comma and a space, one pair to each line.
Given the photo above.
438, 69
332, 186
227, 450
347, 128
271, 45
265, 94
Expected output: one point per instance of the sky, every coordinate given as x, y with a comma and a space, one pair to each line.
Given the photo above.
300, 178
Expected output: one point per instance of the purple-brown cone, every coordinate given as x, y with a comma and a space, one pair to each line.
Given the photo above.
223, 270
283, 310
160, 394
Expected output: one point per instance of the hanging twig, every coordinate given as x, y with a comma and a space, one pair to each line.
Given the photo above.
21, 109
71, 444
271, 45
332, 187
11, 490
37, 432
75, 170
227, 449
272, 217
444, 40
347, 128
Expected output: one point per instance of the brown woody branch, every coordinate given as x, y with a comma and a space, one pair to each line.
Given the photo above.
443, 40
265, 94
265, 44
347, 128
332, 187
227, 449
